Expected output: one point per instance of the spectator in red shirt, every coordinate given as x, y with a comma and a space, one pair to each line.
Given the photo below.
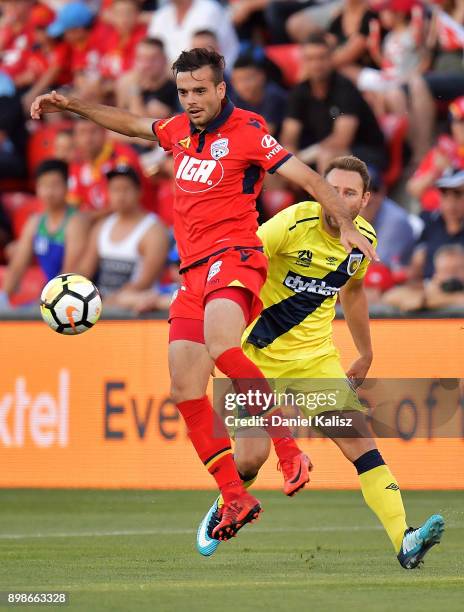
16, 37
448, 154
120, 44
49, 61
96, 156
74, 23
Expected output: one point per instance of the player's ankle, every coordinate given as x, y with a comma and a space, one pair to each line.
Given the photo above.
286, 448
232, 490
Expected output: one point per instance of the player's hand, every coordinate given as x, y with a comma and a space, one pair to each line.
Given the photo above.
358, 370
48, 103
351, 238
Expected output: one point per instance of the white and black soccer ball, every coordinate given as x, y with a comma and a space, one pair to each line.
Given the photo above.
70, 304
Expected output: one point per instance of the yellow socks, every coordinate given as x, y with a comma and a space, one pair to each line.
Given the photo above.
382, 494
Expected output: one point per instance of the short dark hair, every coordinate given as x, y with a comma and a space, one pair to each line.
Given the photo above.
188, 61
52, 165
350, 163
317, 38
152, 42
246, 60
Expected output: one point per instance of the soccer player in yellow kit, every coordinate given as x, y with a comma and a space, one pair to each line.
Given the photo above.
292, 339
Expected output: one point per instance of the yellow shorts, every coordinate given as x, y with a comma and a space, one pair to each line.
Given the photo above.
315, 384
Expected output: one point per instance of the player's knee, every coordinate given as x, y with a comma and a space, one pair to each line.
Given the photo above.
217, 347
181, 390
248, 466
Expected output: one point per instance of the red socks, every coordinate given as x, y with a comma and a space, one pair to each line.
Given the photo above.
236, 365
212, 443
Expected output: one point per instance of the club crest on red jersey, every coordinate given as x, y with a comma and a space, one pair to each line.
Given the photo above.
194, 175
219, 148
185, 142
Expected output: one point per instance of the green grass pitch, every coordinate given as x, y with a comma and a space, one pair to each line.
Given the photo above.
135, 551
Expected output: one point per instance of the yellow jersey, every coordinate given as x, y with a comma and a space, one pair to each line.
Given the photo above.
307, 269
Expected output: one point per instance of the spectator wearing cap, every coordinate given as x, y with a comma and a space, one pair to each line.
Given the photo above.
147, 88
124, 34
127, 251
448, 154
177, 20
393, 225
255, 93
55, 237
327, 116
49, 60
96, 155
74, 22
442, 226
398, 84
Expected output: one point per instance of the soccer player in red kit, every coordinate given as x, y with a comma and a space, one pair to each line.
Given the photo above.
220, 156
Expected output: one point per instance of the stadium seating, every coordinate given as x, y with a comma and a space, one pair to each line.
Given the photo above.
42, 143
20, 206
288, 59
30, 287
395, 129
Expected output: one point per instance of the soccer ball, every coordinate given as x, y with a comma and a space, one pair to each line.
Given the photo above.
70, 304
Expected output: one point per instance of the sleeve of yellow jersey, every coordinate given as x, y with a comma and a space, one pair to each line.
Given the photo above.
361, 271
274, 233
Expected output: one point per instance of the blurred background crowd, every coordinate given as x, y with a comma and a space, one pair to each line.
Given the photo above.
382, 79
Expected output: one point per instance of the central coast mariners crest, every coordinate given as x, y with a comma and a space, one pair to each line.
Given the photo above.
219, 148
354, 261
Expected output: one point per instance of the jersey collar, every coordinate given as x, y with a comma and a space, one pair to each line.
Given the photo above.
226, 111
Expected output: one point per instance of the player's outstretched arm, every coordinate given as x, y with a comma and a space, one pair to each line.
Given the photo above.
356, 310
109, 117
312, 182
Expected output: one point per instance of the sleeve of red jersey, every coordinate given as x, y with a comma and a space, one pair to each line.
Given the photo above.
162, 130
262, 148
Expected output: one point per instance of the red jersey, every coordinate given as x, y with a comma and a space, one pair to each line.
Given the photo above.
218, 175
39, 61
86, 55
14, 47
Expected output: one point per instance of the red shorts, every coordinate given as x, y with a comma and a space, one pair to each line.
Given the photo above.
244, 267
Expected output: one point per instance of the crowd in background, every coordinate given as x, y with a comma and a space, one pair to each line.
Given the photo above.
382, 79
